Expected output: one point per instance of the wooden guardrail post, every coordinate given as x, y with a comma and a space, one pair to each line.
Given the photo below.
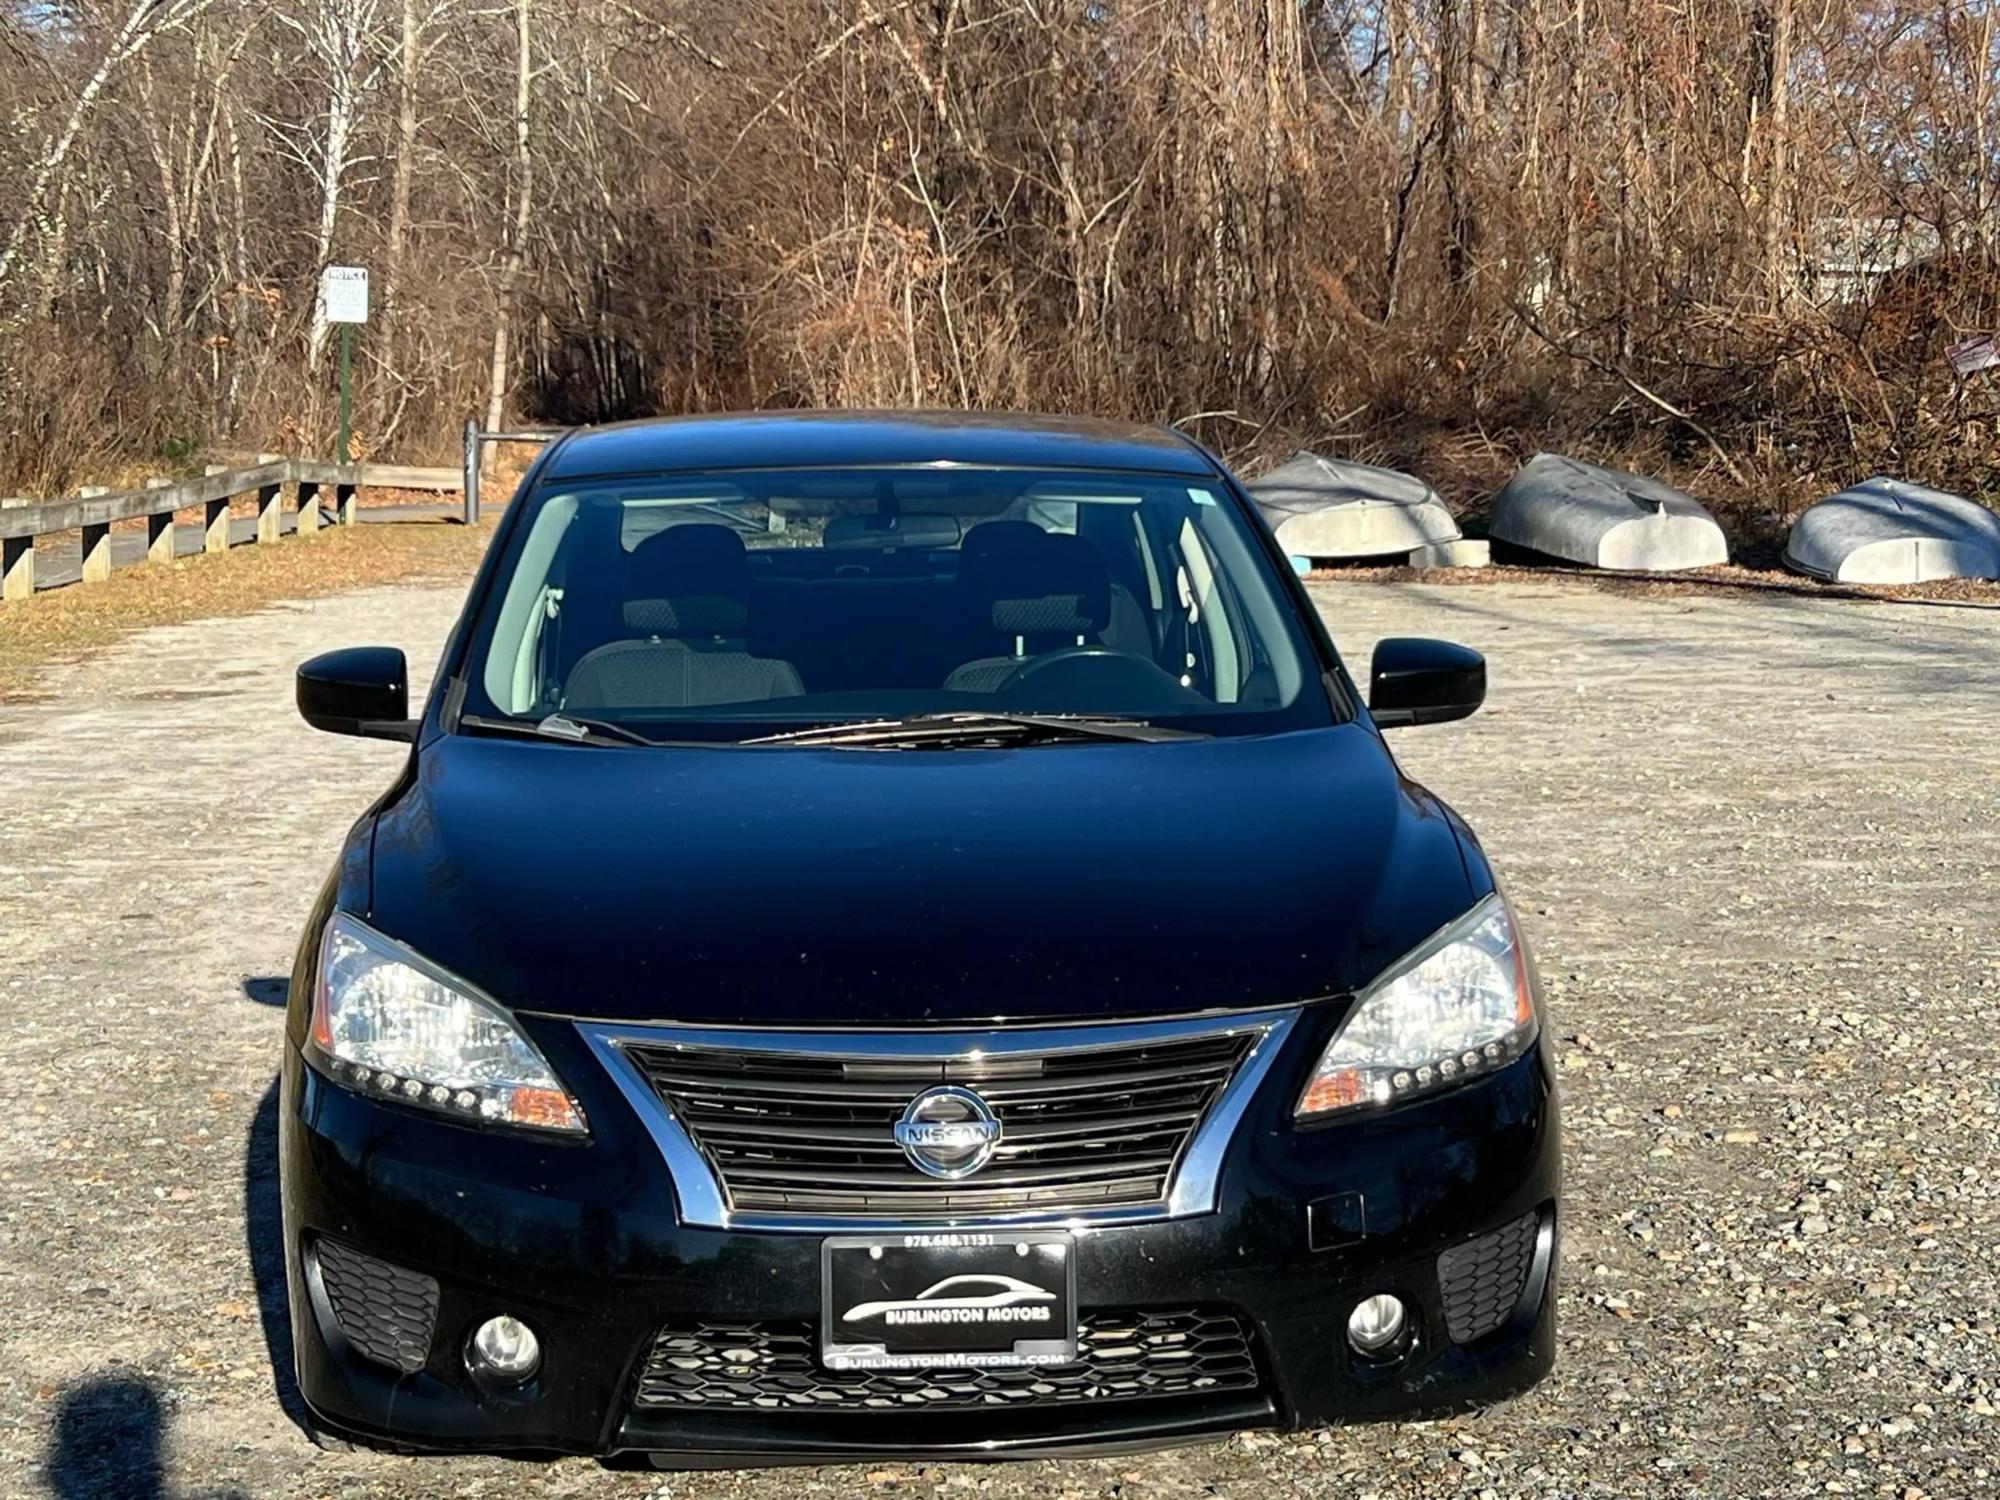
344, 503
97, 553
270, 512
160, 537
17, 567
215, 520
96, 540
160, 530
309, 516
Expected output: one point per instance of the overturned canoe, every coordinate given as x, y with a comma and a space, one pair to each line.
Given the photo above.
1886, 531
1604, 518
1331, 507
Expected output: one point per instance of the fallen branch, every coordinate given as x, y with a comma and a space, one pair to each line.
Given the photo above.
1604, 367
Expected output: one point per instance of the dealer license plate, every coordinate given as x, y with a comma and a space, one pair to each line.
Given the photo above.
926, 1301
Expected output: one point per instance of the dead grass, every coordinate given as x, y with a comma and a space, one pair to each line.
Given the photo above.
67, 624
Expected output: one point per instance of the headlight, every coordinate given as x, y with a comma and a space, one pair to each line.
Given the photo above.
1457, 1007
386, 1021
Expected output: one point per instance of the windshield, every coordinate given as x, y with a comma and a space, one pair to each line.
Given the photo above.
727, 605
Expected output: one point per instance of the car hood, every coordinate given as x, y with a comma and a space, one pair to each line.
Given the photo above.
855, 887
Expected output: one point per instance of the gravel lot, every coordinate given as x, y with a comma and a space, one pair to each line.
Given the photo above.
1754, 838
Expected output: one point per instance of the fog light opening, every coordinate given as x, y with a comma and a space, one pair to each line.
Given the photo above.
504, 1350
1378, 1326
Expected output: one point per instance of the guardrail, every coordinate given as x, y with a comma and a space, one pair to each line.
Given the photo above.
474, 437
93, 515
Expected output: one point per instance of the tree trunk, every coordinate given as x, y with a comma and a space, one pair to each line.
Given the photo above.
390, 341
238, 260
1284, 81
406, 150
1777, 190
1984, 229
517, 241
333, 167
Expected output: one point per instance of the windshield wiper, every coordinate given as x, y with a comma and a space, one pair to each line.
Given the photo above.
565, 727
945, 731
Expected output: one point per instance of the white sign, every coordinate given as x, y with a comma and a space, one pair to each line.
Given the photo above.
344, 290
1969, 356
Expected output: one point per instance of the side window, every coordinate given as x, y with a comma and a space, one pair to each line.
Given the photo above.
531, 600
1058, 516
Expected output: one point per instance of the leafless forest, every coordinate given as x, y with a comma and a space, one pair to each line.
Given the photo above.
1722, 237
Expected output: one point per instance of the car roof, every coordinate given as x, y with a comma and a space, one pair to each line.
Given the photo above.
807, 439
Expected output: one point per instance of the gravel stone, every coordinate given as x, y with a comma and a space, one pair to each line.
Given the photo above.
1751, 836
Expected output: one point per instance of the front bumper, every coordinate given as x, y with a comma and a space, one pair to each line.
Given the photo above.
582, 1241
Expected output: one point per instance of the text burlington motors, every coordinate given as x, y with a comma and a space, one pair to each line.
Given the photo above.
910, 1315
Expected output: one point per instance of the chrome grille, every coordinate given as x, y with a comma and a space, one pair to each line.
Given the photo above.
1097, 1119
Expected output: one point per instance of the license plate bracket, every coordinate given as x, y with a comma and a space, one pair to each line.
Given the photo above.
974, 1300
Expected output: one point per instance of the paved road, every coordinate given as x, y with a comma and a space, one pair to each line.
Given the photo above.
59, 564
1753, 839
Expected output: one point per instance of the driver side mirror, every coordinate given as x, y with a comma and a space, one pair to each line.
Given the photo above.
363, 690
1416, 681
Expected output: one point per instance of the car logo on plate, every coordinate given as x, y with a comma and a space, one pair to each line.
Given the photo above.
948, 1132
962, 1299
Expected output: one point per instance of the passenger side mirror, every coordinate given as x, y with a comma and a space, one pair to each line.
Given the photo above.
363, 690
1415, 681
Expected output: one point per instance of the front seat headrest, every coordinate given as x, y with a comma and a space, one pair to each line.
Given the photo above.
1035, 582
990, 547
689, 580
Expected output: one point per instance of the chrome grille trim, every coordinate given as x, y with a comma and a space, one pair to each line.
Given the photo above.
1192, 1172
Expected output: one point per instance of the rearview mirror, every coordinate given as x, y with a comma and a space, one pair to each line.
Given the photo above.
1416, 681
364, 690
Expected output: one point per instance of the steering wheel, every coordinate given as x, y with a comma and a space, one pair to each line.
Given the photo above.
1100, 677
1035, 666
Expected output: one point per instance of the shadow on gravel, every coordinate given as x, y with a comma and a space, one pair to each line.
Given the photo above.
268, 989
108, 1437
263, 1226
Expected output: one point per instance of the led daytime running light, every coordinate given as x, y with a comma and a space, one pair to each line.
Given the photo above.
388, 1023
1459, 1007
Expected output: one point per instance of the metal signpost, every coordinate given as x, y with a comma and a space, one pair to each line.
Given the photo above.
344, 292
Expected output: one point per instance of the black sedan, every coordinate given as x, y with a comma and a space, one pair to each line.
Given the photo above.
898, 935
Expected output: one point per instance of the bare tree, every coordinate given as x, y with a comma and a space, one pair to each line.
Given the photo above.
343, 40
521, 196
144, 22
1731, 239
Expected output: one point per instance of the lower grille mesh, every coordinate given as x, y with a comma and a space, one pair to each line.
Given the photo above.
1482, 1280
386, 1312
1121, 1357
